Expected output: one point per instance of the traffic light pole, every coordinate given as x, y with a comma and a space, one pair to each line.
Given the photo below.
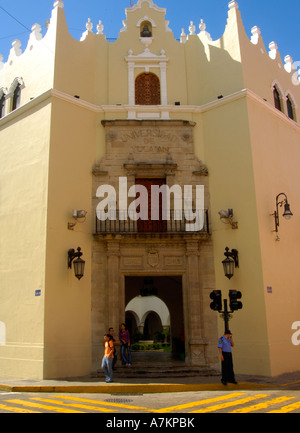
226, 315
234, 304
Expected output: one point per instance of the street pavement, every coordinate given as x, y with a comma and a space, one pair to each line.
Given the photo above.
154, 407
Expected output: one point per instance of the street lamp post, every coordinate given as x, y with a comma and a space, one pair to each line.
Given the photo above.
226, 315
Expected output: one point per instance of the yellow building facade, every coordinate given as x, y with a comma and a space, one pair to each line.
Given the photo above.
79, 116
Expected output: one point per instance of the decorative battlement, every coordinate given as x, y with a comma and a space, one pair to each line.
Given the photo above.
256, 39
144, 22
205, 36
58, 4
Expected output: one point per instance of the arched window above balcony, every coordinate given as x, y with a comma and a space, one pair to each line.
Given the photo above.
147, 89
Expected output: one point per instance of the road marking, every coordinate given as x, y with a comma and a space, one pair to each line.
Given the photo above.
42, 406
286, 409
78, 406
263, 405
74, 404
103, 403
199, 403
17, 409
229, 404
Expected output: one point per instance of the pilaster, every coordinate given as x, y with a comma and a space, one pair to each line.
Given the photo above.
196, 341
113, 265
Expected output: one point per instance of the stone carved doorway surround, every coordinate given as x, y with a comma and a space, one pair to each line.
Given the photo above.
189, 260
141, 150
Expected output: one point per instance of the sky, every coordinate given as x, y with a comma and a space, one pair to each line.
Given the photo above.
278, 20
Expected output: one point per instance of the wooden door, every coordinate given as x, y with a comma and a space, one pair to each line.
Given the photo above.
150, 225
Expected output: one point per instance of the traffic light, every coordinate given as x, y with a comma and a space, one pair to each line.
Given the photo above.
234, 304
216, 296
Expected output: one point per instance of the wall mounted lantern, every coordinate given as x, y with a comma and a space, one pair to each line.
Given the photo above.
287, 214
226, 217
78, 262
231, 262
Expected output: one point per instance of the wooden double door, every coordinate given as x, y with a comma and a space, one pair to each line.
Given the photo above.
153, 225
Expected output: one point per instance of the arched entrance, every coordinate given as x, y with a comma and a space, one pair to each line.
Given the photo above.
158, 313
131, 321
151, 318
152, 326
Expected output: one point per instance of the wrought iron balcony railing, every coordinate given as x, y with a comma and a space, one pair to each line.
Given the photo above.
178, 222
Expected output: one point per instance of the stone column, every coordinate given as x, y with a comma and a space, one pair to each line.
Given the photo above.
209, 318
194, 333
113, 281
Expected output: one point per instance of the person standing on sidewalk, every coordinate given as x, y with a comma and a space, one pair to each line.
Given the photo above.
107, 360
111, 333
225, 346
125, 345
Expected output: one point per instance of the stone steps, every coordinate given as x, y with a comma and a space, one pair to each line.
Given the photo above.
159, 371
157, 365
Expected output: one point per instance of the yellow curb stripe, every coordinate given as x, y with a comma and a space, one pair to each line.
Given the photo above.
140, 388
229, 404
264, 405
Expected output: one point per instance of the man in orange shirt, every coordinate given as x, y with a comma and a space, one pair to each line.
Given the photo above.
107, 361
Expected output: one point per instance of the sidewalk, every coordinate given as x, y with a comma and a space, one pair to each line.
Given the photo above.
146, 386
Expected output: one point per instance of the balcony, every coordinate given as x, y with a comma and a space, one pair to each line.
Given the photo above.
178, 222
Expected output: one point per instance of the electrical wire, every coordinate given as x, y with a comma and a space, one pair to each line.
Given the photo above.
13, 36
14, 18
23, 25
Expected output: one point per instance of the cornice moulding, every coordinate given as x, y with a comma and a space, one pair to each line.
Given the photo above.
124, 109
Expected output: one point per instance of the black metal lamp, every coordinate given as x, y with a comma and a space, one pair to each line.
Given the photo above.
78, 263
231, 262
287, 214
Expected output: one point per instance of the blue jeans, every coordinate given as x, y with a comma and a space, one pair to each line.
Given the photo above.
126, 360
107, 364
